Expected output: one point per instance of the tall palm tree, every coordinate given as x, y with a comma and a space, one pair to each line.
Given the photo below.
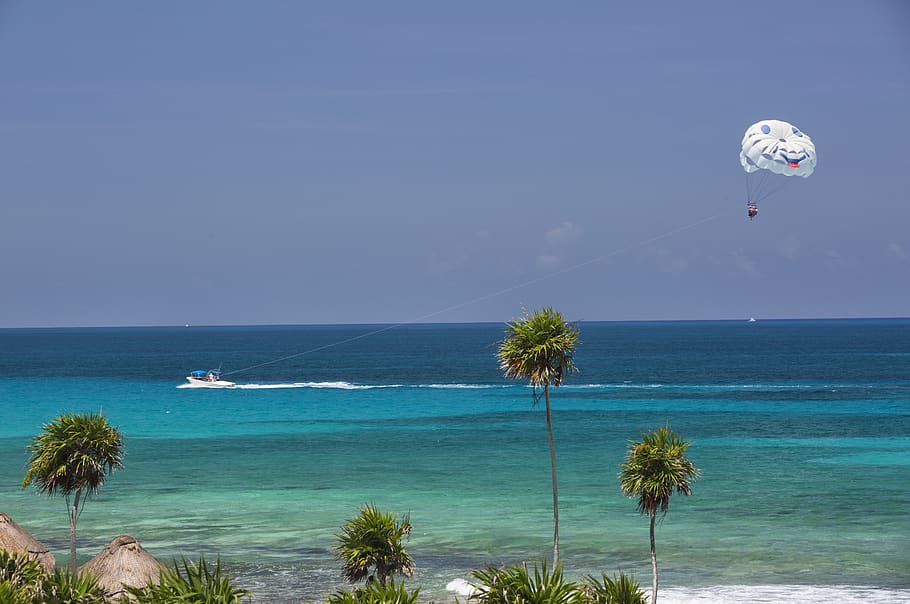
372, 540
540, 348
654, 467
72, 456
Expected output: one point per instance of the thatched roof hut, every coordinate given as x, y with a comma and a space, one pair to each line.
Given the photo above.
123, 562
14, 538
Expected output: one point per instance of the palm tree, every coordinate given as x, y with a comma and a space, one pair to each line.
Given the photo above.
372, 540
522, 583
73, 455
540, 348
653, 468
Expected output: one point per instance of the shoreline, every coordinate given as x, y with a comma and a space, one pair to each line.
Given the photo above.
275, 579
288, 590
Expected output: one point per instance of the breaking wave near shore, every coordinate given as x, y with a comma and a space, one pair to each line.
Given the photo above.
774, 594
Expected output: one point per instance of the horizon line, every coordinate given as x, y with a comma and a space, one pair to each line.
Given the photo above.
391, 324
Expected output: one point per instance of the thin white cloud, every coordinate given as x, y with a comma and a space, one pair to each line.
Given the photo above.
744, 264
547, 262
439, 263
564, 234
666, 261
739, 262
898, 251
673, 264
556, 240
457, 258
834, 260
790, 248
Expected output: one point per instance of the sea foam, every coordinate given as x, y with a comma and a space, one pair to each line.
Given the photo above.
754, 594
774, 594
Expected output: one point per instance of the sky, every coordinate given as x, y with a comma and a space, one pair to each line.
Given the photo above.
223, 163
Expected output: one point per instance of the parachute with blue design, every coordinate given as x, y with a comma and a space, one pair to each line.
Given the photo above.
773, 147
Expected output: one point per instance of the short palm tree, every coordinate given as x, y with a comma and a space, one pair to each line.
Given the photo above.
24, 581
654, 467
372, 541
521, 584
376, 593
72, 456
620, 589
188, 581
540, 348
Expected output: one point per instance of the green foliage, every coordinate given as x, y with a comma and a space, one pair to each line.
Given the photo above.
65, 587
190, 583
19, 569
24, 581
74, 453
375, 593
20, 578
516, 584
520, 585
539, 348
373, 540
10, 593
620, 589
656, 466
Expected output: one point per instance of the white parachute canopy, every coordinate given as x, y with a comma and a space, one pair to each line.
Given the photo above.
779, 147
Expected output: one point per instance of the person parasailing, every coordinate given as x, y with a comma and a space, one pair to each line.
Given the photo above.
773, 147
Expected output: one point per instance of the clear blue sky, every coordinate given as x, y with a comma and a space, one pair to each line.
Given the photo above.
345, 162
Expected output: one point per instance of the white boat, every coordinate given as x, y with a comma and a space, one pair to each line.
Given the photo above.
751, 319
208, 379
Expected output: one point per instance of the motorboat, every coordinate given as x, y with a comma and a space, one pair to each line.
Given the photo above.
208, 379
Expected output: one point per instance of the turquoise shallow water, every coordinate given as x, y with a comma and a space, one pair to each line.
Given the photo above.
801, 429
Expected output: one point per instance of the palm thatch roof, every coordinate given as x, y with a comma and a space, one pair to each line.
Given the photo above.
14, 538
123, 562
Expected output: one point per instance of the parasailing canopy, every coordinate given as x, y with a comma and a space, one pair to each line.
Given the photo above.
779, 147
771, 149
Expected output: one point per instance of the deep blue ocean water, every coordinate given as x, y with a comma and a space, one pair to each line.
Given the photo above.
801, 430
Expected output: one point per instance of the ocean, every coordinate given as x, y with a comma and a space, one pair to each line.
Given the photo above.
801, 430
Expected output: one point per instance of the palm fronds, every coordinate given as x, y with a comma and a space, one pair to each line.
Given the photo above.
371, 542
519, 584
187, 581
376, 593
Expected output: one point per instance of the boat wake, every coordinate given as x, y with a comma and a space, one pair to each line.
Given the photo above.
604, 387
328, 385
325, 385
350, 386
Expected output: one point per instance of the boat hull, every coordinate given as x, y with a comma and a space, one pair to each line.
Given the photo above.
197, 383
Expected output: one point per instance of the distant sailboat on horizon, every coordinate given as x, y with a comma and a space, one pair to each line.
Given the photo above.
751, 320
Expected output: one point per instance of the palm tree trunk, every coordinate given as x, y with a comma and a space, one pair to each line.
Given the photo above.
653, 560
74, 513
546, 393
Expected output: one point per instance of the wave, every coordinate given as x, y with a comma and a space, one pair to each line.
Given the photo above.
464, 386
755, 594
624, 386
762, 594
342, 385
733, 388
325, 385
